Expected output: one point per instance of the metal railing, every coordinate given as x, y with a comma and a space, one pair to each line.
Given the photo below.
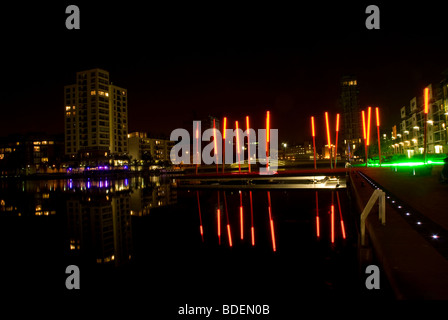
381, 196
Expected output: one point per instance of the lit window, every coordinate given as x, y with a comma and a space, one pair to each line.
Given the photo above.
67, 108
44, 142
44, 159
36, 142
101, 93
93, 92
67, 113
36, 148
107, 94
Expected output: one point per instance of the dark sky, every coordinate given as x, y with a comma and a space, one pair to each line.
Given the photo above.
221, 58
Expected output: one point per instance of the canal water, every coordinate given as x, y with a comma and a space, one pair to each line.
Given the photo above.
143, 237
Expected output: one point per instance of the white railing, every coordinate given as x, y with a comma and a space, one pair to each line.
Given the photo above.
380, 195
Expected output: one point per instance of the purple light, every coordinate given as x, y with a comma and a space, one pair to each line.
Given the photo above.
125, 167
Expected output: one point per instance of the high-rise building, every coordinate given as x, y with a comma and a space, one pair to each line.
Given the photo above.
351, 115
96, 116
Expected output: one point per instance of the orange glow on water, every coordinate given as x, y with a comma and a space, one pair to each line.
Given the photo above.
229, 234
332, 223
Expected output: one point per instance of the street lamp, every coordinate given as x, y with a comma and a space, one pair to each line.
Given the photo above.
284, 150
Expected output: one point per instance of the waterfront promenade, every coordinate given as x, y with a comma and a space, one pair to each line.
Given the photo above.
413, 265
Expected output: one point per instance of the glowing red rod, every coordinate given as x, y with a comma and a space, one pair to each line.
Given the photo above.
229, 234
314, 141
336, 142
426, 109
340, 216
197, 143
368, 125
241, 217
317, 217
377, 113
268, 128
329, 139
252, 231
271, 223
215, 144
332, 223
248, 141
224, 127
200, 217
364, 133
238, 146
426, 99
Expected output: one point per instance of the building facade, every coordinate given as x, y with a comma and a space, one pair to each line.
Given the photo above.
142, 147
408, 137
351, 115
96, 116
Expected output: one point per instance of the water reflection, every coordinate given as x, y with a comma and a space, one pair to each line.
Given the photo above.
97, 212
327, 209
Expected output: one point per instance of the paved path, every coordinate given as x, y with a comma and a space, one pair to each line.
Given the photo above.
414, 268
424, 193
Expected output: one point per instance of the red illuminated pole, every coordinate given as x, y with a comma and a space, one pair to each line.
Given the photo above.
252, 230
241, 216
268, 119
369, 111
238, 146
271, 223
340, 216
248, 141
329, 139
314, 141
229, 234
377, 113
216, 144
364, 133
200, 217
426, 109
224, 142
197, 143
336, 142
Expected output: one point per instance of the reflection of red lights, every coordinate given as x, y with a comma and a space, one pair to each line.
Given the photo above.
229, 234
252, 231
340, 215
332, 223
200, 217
317, 217
271, 223
219, 225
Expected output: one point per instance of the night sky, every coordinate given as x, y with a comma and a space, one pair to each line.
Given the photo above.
181, 62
